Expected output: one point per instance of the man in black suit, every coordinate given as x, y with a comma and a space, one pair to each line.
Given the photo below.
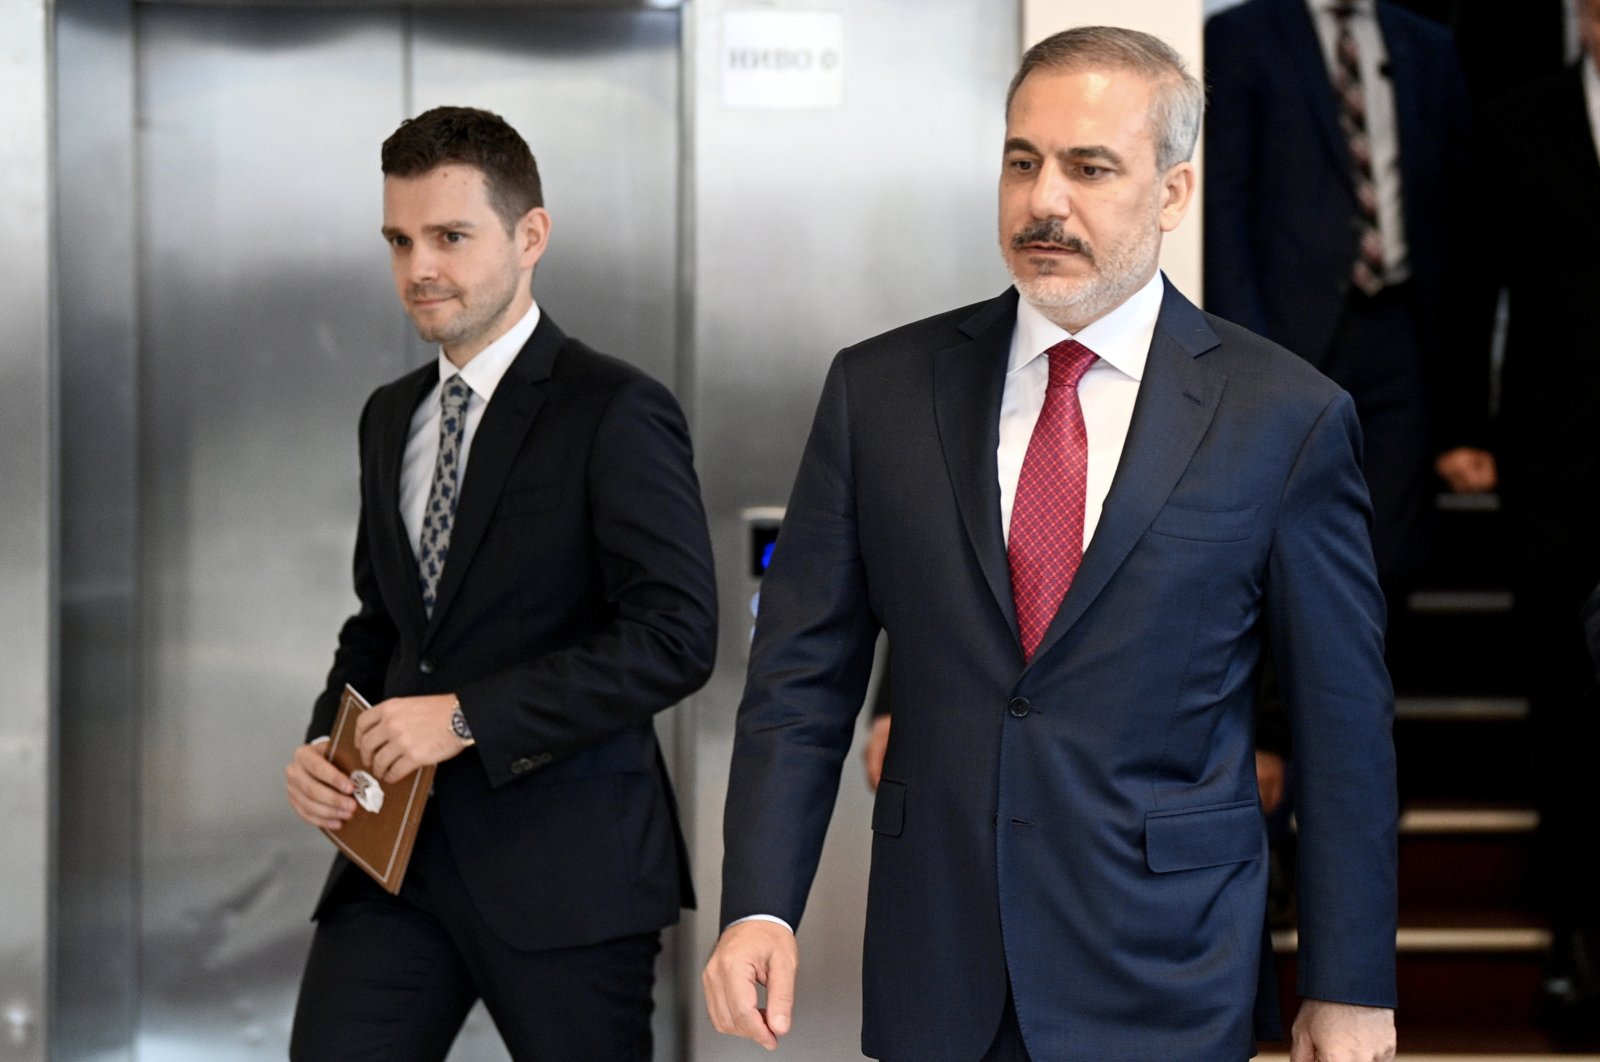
1336, 142
1079, 510
1539, 233
521, 639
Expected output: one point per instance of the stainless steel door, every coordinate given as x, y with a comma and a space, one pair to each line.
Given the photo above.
267, 316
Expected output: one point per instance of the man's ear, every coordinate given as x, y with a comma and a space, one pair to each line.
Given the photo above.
1177, 193
532, 236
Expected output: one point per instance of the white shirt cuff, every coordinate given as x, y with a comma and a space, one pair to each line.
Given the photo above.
760, 918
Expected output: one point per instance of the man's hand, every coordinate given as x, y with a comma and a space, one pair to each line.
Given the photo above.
752, 953
1342, 1032
318, 791
1269, 779
401, 734
1467, 470
877, 745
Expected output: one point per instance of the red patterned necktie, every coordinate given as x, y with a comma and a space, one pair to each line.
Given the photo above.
1046, 542
1366, 272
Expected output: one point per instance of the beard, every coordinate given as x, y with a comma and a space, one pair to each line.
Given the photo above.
481, 310
1115, 272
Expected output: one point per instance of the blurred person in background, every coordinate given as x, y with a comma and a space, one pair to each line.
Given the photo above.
1539, 230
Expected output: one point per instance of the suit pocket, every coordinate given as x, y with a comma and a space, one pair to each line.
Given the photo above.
1206, 525
889, 810
528, 500
1204, 837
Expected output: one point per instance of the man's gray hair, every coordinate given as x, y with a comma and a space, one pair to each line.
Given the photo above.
1180, 99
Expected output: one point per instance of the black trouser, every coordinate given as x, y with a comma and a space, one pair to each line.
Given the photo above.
1376, 355
1555, 555
391, 978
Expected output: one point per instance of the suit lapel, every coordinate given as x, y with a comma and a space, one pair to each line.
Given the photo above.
396, 431
495, 447
968, 380
1305, 61
1178, 397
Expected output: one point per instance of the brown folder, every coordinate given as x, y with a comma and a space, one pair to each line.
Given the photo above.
379, 837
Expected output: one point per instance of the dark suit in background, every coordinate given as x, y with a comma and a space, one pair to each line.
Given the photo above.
1538, 247
577, 601
1280, 239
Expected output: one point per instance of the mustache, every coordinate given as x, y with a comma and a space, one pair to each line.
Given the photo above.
1049, 231
419, 291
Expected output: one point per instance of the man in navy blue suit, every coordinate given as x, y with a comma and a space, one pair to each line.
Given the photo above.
1336, 137
1080, 510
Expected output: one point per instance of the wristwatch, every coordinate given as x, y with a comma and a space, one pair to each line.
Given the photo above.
459, 727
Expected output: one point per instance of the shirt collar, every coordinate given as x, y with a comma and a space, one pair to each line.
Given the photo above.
484, 371
1121, 338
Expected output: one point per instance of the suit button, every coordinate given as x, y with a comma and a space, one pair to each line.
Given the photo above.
522, 766
425, 666
1019, 707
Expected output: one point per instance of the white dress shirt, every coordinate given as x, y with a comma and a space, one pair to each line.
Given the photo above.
1383, 135
482, 374
1106, 392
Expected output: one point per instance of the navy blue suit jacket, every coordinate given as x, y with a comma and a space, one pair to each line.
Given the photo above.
1087, 823
578, 600
1279, 187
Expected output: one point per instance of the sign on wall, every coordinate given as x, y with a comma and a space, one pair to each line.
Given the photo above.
782, 59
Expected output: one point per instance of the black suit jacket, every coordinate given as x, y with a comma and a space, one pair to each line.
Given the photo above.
1086, 826
1538, 241
577, 601
1280, 188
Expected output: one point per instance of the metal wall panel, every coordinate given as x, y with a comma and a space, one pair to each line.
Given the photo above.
94, 976
27, 483
814, 229
267, 316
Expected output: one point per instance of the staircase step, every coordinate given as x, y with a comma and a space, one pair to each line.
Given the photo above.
1462, 859
1463, 748
1473, 985
1453, 642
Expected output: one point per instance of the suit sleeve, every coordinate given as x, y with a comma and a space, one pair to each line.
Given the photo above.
809, 666
367, 639
1326, 617
654, 554
1231, 287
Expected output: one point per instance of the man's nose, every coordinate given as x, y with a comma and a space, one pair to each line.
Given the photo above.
422, 264
1051, 196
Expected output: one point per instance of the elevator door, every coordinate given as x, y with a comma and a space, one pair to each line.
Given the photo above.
266, 316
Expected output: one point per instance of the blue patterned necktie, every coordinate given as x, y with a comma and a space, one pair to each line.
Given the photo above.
440, 514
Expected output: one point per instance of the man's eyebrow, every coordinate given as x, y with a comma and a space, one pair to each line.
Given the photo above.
1076, 154
390, 232
1093, 151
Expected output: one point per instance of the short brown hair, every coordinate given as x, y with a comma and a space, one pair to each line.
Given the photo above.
467, 136
1180, 99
